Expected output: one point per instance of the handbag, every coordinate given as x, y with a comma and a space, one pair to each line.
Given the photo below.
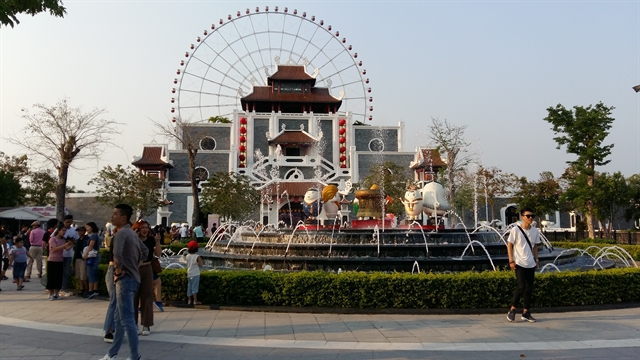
155, 265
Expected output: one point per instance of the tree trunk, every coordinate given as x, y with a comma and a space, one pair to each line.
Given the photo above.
589, 206
61, 189
195, 217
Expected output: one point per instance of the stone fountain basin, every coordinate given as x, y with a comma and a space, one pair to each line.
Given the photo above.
278, 261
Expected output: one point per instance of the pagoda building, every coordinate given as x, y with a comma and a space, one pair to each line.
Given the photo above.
286, 137
290, 90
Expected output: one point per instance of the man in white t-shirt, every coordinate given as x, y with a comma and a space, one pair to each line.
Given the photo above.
184, 233
522, 247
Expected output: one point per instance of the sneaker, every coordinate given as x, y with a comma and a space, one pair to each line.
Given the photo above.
527, 316
146, 331
52, 297
511, 315
108, 337
57, 297
107, 357
158, 305
92, 294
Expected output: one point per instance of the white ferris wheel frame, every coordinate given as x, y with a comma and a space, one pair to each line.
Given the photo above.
362, 113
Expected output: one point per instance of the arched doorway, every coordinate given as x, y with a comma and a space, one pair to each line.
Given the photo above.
511, 215
290, 213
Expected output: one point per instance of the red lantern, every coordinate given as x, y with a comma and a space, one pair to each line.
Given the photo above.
343, 140
242, 148
343, 149
343, 166
295, 199
243, 130
343, 158
342, 122
241, 157
243, 139
241, 165
243, 121
342, 131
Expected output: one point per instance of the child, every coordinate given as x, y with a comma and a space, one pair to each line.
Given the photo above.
194, 263
18, 257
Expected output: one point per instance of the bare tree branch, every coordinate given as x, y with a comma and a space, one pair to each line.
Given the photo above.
61, 135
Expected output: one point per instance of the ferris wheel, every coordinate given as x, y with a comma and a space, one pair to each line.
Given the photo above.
237, 52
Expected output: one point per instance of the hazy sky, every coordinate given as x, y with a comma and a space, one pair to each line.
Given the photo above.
494, 66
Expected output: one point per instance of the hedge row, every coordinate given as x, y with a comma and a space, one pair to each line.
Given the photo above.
633, 250
401, 290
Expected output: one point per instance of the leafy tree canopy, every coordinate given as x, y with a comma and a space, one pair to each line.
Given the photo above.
229, 195
11, 194
543, 195
128, 186
9, 9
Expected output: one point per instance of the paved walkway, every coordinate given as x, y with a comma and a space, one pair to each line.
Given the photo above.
72, 328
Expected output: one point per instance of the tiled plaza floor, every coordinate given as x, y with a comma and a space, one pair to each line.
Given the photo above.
33, 327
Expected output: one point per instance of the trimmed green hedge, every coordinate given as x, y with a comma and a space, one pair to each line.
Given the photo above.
401, 290
633, 250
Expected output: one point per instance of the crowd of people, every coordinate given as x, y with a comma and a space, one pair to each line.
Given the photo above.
132, 280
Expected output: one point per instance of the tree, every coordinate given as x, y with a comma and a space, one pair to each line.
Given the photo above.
219, 120
62, 135
128, 186
633, 207
583, 131
543, 195
178, 131
229, 195
41, 188
11, 194
450, 140
611, 196
9, 9
392, 179
492, 182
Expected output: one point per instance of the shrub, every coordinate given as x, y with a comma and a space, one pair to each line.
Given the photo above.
465, 290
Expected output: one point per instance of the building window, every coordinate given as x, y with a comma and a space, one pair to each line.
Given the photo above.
201, 174
376, 145
287, 87
291, 151
207, 143
294, 174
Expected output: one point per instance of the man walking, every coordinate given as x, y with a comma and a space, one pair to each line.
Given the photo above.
127, 254
35, 238
523, 258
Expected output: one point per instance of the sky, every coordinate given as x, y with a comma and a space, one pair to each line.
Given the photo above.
492, 66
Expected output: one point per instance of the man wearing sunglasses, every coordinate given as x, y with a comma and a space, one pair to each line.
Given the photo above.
522, 247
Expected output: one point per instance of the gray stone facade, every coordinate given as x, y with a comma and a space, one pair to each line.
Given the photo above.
364, 134
213, 161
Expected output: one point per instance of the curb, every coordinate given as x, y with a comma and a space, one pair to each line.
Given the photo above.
323, 310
